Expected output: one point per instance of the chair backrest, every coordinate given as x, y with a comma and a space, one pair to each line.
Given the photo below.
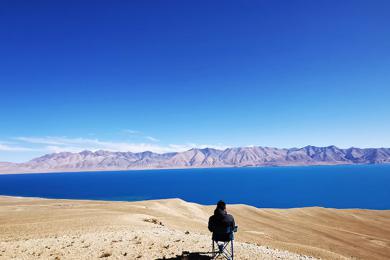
223, 234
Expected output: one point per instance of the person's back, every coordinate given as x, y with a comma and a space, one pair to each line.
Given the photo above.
221, 223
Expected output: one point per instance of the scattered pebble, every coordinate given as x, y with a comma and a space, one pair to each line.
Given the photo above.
153, 221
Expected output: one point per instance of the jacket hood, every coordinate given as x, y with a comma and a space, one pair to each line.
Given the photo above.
219, 212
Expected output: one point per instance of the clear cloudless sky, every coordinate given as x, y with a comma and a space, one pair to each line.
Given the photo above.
223, 73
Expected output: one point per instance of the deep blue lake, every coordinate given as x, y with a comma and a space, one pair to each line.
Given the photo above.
351, 186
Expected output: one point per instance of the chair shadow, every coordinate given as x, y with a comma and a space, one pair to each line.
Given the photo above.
189, 256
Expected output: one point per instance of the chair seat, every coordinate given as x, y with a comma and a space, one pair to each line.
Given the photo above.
223, 237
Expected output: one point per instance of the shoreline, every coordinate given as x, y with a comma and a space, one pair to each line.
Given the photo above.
5, 172
87, 228
176, 198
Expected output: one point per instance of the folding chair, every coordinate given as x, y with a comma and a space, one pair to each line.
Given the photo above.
222, 243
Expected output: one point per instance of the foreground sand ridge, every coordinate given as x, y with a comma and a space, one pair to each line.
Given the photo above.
68, 229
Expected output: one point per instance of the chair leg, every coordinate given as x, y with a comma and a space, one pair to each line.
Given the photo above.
231, 243
223, 251
213, 248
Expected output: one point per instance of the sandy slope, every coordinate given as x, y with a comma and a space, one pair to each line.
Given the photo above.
65, 229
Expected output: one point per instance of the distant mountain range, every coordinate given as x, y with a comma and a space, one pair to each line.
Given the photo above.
199, 158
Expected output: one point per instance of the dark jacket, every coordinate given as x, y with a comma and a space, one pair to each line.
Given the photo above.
222, 225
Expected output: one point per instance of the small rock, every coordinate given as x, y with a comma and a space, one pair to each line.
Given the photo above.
105, 255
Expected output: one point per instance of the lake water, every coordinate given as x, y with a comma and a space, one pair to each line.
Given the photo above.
352, 186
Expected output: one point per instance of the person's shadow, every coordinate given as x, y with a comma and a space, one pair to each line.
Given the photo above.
189, 256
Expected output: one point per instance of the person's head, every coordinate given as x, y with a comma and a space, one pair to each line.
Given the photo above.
221, 205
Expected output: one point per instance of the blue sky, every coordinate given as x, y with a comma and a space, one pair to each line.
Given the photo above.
171, 75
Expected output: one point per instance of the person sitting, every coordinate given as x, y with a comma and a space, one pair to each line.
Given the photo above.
222, 224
